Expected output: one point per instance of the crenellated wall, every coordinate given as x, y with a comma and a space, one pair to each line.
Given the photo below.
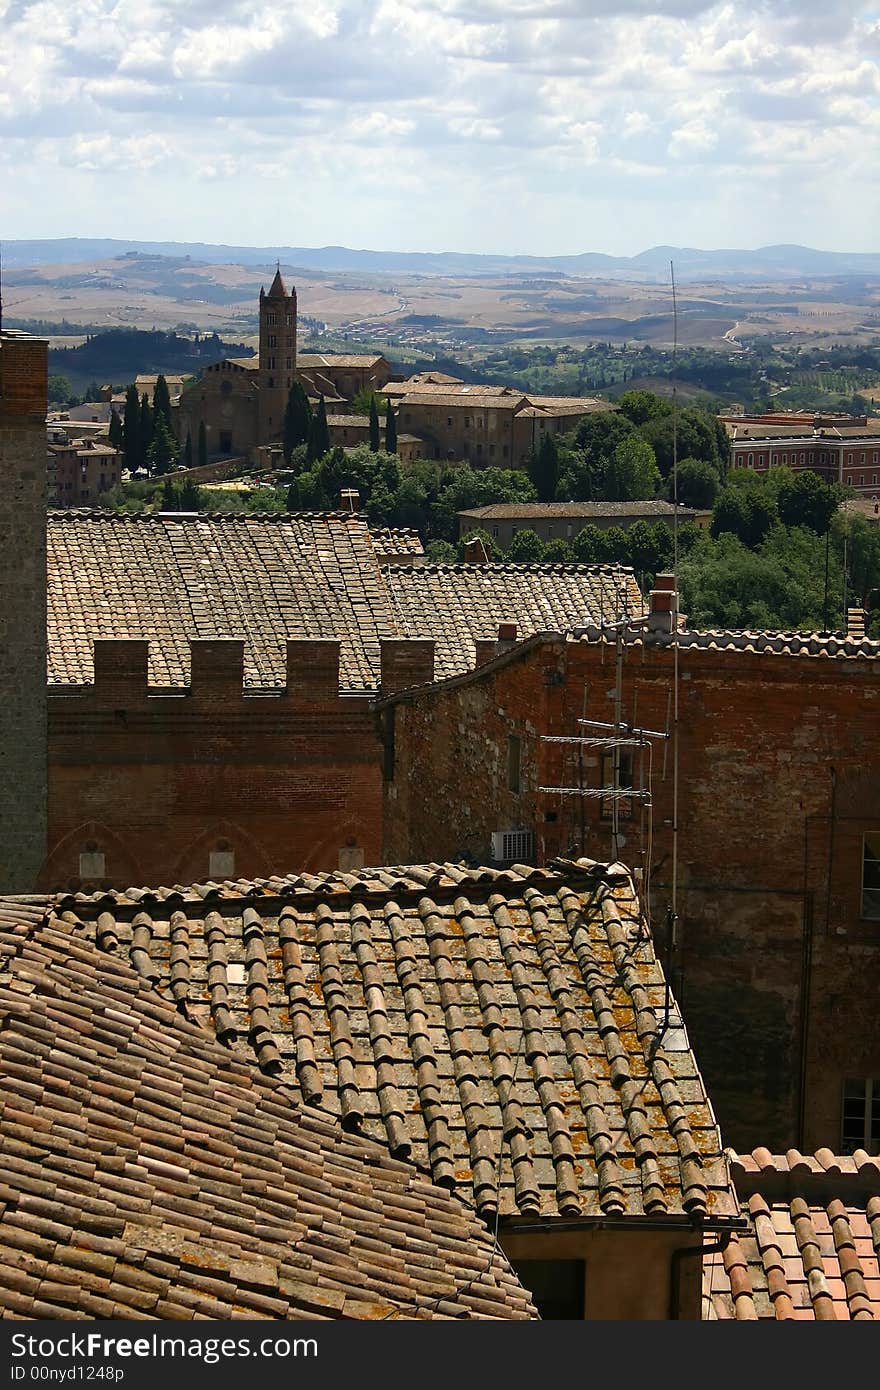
153, 785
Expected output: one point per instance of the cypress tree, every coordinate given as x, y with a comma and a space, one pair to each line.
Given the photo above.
117, 430
323, 428
131, 428
170, 499
544, 469
188, 450
162, 401
390, 430
145, 432
203, 445
374, 426
189, 497
163, 449
297, 420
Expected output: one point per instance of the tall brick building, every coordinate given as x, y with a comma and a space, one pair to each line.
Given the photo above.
23, 381
778, 847
211, 683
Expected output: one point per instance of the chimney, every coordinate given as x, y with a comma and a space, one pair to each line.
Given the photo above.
350, 499
663, 604
475, 552
855, 623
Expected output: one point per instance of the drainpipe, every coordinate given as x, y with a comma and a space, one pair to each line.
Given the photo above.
686, 1252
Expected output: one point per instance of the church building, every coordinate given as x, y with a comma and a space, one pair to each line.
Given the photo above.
241, 400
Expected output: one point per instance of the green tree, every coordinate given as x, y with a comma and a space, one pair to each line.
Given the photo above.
188, 450
558, 552
526, 547
695, 433
746, 513
162, 401
365, 398
697, 483
631, 473
544, 469
202, 454
297, 420
190, 497
390, 430
319, 434
145, 431
170, 497
162, 453
807, 500
131, 430
585, 455
374, 426
116, 431
587, 545
59, 390
642, 406
441, 553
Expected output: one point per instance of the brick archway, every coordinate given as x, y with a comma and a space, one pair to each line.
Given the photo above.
251, 860
62, 868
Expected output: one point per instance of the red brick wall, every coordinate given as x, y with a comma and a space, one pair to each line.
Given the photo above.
779, 762
157, 781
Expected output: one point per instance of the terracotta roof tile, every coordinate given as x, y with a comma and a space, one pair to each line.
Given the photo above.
813, 1250
168, 1179
172, 578
455, 1015
805, 644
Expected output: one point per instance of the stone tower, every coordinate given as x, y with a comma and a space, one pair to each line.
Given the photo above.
277, 356
23, 736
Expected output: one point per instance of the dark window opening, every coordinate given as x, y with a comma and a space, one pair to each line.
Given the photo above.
557, 1286
871, 876
860, 1128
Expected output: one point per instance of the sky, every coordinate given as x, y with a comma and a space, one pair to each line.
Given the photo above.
510, 126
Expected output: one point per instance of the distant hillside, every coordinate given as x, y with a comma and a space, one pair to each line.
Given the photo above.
767, 262
121, 354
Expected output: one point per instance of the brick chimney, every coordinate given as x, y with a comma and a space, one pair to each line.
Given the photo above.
475, 552
350, 499
855, 623
663, 604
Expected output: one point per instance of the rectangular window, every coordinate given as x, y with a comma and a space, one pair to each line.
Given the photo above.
625, 779
514, 762
556, 1286
449, 421
860, 1127
871, 876
221, 863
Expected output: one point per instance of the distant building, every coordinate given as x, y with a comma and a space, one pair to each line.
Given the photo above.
483, 425
846, 454
79, 470
566, 520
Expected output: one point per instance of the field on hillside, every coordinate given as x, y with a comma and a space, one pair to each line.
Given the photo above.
416, 312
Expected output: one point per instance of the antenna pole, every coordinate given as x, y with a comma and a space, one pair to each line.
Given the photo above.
673, 942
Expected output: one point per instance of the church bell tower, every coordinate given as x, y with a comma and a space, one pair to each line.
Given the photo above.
277, 356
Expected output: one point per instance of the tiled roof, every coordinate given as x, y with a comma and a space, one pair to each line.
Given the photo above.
813, 1251
479, 400
396, 540
146, 1172
815, 644
504, 1029
515, 511
341, 359
349, 421
171, 578
457, 604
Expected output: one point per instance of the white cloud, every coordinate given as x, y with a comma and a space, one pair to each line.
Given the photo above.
572, 112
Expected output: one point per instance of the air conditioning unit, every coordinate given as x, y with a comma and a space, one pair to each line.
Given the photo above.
512, 846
